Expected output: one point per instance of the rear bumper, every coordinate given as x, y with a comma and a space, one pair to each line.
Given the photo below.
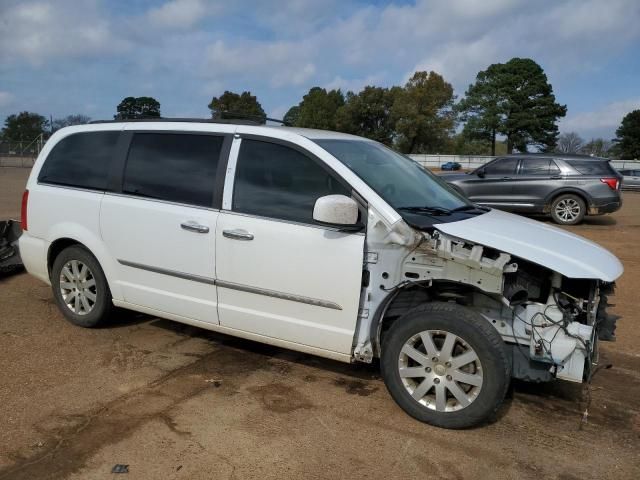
34, 256
599, 207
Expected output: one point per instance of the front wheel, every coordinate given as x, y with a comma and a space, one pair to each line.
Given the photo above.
445, 365
568, 209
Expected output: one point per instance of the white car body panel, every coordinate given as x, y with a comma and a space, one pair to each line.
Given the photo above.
571, 255
149, 233
301, 261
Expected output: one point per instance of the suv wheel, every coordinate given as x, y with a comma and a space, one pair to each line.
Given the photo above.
445, 365
568, 209
80, 287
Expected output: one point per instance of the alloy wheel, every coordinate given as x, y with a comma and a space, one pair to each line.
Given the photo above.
567, 209
78, 287
440, 370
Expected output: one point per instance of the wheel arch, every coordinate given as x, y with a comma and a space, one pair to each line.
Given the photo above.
584, 196
94, 248
402, 300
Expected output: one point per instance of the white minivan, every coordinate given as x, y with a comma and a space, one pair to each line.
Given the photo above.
320, 242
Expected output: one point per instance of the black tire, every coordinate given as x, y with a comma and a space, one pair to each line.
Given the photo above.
101, 306
470, 328
575, 209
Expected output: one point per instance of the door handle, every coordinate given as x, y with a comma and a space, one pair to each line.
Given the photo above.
237, 234
192, 226
506, 178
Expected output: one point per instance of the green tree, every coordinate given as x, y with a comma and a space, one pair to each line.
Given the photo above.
291, 117
516, 100
318, 109
368, 114
423, 114
233, 105
77, 119
628, 136
137, 107
462, 144
24, 127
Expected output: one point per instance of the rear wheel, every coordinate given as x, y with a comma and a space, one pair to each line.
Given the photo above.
80, 287
445, 365
568, 209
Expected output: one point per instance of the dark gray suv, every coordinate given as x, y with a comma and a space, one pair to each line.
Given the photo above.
567, 187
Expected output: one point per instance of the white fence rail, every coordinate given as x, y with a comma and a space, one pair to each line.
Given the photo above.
469, 162
16, 161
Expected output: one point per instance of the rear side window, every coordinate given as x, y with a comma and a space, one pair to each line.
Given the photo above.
280, 182
81, 160
502, 166
173, 167
590, 167
535, 166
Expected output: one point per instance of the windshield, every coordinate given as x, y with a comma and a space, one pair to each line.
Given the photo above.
401, 182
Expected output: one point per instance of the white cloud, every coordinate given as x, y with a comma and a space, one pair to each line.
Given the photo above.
601, 122
281, 64
280, 49
39, 31
182, 14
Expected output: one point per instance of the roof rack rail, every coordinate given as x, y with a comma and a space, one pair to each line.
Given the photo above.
238, 121
232, 118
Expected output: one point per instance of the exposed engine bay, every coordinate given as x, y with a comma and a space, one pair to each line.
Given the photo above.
552, 323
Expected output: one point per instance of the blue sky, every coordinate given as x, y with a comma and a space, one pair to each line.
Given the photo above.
60, 57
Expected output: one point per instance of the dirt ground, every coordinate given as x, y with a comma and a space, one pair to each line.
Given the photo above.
176, 402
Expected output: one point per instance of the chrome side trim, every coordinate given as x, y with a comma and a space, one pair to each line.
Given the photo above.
508, 204
235, 286
272, 293
172, 273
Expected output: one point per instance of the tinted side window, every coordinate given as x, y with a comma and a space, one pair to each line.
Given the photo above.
280, 182
81, 160
177, 167
591, 167
502, 166
535, 166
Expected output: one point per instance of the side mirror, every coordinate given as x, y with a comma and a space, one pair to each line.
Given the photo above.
481, 173
337, 211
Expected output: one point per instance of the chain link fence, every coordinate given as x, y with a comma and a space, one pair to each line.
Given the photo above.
20, 153
21, 148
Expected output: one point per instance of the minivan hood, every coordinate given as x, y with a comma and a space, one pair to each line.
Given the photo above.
568, 254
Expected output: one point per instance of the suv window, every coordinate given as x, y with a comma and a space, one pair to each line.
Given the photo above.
279, 182
81, 160
590, 167
502, 166
535, 166
176, 167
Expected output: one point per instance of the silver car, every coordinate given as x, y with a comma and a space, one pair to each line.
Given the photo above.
630, 179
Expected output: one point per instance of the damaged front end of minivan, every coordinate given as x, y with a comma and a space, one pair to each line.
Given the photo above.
545, 291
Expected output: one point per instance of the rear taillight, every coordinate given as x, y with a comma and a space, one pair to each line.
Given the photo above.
613, 182
23, 210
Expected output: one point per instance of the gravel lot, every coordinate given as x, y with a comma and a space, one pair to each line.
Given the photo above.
176, 402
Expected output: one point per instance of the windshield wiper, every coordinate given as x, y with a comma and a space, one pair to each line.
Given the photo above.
429, 210
469, 207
